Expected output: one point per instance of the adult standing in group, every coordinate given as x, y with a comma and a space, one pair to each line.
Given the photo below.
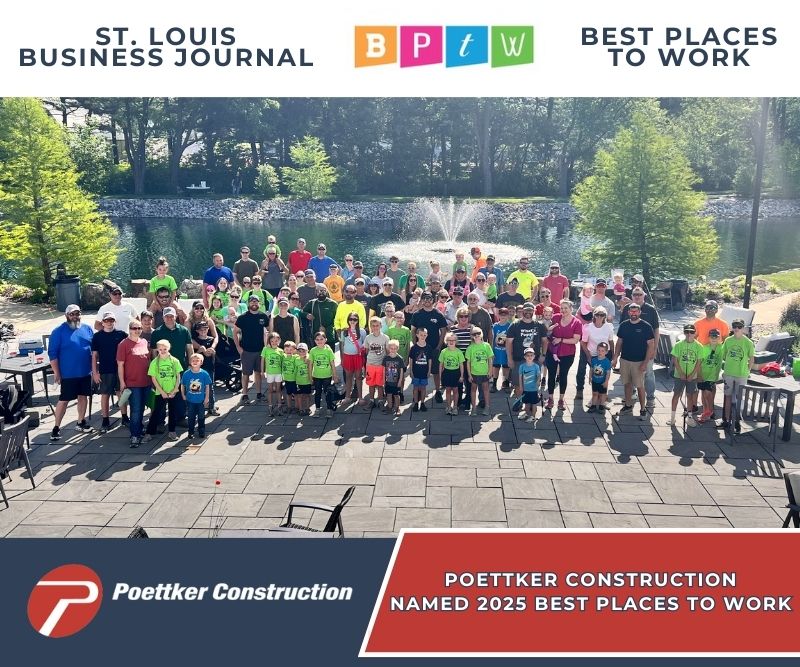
650, 315
429, 318
511, 298
479, 317
704, 325
556, 282
462, 330
491, 270
379, 301
412, 273
244, 267
250, 337
480, 262
358, 272
599, 330
528, 283
545, 301
299, 258
308, 290
273, 271
635, 347
321, 313
597, 300
104, 367
213, 273
394, 271
181, 348
320, 263
564, 340
70, 352
123, 312
133, 362
264, 297
347, 271
459, 280
523, 334
346, 308
455, 304
164, 300
284, 323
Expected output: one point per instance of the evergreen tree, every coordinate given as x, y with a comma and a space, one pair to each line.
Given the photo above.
639, 208
45, 218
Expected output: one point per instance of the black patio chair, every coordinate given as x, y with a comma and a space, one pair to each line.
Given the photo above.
781, 348
138, 533
792, 480
334, 521
757, 404
12, 452
662, 294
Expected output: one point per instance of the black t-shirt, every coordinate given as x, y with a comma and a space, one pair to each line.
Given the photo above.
634, 339
526, 334
363, 299
431, 320
649, 315
380, 300
392, 367
506, 300
205, 341
252, 326
105, 344
419, 357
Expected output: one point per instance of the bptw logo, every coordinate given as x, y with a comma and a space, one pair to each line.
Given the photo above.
65, 600
453, 45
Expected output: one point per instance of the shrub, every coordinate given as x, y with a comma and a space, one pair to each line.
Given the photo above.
791, 314
267, 182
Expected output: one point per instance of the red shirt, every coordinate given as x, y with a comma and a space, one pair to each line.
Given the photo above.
137, 360
298, 260
574, 328
556, 285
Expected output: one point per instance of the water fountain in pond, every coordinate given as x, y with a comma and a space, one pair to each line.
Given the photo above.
438, 228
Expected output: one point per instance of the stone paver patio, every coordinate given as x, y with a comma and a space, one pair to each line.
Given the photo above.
573, 470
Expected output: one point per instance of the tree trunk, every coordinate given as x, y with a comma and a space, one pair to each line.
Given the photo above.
482, 127
254, 153
445, 168
210, 140
563, 176
114, 147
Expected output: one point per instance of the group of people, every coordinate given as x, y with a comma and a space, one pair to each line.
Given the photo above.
465, 334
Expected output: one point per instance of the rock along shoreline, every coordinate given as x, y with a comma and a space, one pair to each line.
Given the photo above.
720, 208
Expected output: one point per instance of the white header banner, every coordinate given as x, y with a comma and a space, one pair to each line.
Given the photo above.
408, 49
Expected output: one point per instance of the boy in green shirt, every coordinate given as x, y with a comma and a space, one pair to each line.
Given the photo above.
686, 361
401, 334
710, 368
289, 372
479, 358
323, 367
452, 364
162, 279
272, 368
302, 371
165, 372
738, 354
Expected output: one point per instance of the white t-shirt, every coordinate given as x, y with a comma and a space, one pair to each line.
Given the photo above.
593, 335
123, 313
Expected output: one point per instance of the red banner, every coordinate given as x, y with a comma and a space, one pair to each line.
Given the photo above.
590, 592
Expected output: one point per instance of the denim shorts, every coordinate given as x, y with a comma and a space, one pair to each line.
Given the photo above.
419, 382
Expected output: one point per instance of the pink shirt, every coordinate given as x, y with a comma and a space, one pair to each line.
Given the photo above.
556, 285
574, 328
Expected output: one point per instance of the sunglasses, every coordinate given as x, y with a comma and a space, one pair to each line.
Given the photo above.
294, 298
599, 315
738, 326
135, 328
203, 307
443, 296
481, 280
353, 319
75, 312
463, 317
476, 335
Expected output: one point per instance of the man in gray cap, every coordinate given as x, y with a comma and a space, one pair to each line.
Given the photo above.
181, 348
704, 325
250, 337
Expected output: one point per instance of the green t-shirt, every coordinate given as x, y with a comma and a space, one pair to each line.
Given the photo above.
403, 336
686, 356
274, 246
321, 358
451, 360
288, 369
301, 370
265, 305
273, 360
736, 353
157, 283
168, 372
478, 355
710, 363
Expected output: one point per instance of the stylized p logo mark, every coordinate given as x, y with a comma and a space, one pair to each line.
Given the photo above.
65, 600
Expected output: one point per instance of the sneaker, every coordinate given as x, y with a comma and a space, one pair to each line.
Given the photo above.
259, 396
690, 420
190, 434
55, 434
561, 405
643, 414
670, 422
493, 388
135, 442
83, 427
485, 412
415, 407
126, 422
625, 409
481, 404
105, 425
438, 397
473, 412
245, 399
201, 434
213, 412
161, 428
695, 408
423, 407
549, 404
602, 409
723, 424
737, 427
531, 419
650, 403
579, 393
172, 435
147, 437
522, 416
591, 408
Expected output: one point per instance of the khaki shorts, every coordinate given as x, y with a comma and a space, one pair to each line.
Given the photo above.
630, 372
732, 384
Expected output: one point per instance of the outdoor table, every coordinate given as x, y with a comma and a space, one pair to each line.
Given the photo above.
22, 365
197, 188
789, 387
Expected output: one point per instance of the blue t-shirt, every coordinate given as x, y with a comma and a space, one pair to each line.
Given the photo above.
501, 277
72, 348
499, 344
213, 274
195, 385
600, 370
530, 374
321, 267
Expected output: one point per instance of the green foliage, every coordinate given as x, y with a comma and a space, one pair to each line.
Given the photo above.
45, 217
267, 182
787, 281
791, 314
314, 176
120, 180
639, 209
91, 154
743, 181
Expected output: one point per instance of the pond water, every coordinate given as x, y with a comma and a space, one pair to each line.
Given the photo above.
189, 244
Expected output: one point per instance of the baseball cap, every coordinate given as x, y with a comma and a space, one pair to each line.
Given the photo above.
689, 328
333, 266
528, 306
116, 290
711, 305
528, 350
302, 346
427, 295
375, 281
513, 281
600, 282
169, 311
461, 269
638, 277
489, 258
309, 272
458, 290
321, 246
555, 265
301, 239
348, 257
635, 306
474, 249
714, 333
254, 297
72, 308
360, 281
358, 265
738, 322
108, 315
283, 300
202, 324
388, 281
502, 311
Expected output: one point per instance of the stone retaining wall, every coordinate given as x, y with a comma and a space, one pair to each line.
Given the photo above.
331, 211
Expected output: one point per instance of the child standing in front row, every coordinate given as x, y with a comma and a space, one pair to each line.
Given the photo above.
479, 358
323, 369
421, 359
393, 370
452, 363
196, 391
710, 368
528, 383
601, 374
289, 372
272, 368
302, 371
375, 343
